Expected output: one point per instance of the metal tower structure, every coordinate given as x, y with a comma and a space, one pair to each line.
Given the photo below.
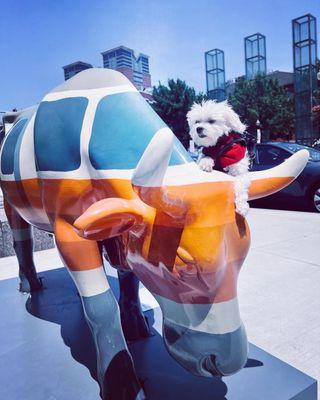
255, 55
304, 38
215, 74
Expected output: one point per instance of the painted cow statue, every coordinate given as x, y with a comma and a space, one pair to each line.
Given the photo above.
95, 165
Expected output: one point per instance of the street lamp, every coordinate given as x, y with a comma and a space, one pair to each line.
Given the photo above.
258, 124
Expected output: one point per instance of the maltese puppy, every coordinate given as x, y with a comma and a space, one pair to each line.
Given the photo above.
218, 130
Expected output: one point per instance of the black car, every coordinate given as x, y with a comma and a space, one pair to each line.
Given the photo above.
304, 191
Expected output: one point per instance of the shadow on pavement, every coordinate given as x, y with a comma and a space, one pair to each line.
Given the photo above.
160, 375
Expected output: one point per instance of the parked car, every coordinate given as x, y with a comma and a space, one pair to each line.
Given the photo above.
303, 192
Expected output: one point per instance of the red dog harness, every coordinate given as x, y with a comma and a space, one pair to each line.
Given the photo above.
229, 150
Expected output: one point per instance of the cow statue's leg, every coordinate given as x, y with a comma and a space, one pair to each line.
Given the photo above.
116, 372
23, 247
134, 323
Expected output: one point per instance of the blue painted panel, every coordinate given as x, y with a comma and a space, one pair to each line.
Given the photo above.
123, 126
57, 134
8, 153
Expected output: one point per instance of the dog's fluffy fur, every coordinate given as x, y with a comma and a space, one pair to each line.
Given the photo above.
208, 122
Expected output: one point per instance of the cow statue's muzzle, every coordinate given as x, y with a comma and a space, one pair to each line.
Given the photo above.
206, 354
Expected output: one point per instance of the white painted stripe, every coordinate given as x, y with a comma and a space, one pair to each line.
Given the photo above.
27, 156
86, 134
89, 93
21, 234
190, 173
218, 318
7, 177
90, 282
176, 175
87, 172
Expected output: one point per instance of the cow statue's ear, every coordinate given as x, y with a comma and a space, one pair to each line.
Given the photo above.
108, 218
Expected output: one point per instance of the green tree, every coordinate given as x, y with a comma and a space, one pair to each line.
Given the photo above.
172, 103
263, 99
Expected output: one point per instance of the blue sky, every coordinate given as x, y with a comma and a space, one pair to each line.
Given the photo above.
38, 37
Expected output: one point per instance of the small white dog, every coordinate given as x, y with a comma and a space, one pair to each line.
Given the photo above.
218, 129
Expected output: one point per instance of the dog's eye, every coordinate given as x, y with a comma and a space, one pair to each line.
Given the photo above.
197, 122
212, 121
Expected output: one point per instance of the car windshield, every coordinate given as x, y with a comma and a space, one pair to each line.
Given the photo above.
294, 147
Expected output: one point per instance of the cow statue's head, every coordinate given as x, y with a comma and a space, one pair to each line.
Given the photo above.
185, 242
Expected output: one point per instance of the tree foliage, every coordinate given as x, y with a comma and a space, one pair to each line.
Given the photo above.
172, 103
263, 99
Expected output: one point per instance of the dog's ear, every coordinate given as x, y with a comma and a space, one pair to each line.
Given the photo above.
233, 119
191, 113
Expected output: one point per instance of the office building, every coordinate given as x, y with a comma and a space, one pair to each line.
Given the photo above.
74, 68
136, 69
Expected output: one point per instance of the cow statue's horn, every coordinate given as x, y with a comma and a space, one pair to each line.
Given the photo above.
153, 164
147, 179
264, 183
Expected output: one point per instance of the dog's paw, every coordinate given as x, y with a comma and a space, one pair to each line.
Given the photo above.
206, 164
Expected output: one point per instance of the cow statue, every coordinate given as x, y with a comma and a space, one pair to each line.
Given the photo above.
97, 167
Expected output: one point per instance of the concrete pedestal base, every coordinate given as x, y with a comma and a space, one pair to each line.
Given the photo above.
46, 353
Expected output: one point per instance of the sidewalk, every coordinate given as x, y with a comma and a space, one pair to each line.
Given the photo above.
279, 285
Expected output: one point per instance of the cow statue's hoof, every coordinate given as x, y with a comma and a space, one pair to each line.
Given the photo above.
31, 285
120, 381
134, 324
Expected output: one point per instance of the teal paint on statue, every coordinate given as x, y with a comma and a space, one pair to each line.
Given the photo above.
59, 123
10, 146
123, 126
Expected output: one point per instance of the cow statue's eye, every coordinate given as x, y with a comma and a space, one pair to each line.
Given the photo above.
212, 121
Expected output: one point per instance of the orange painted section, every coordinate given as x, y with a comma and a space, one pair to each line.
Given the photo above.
78, 254
264, 187
14, 219
189, 248
25, 198
71, 197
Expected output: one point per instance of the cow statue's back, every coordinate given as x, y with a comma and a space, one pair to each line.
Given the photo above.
95, 165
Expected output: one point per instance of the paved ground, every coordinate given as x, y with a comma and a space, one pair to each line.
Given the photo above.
279, 287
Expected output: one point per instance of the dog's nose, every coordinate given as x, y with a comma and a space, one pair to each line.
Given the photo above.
199, 129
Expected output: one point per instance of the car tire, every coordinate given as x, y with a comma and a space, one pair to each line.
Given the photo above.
314, 199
